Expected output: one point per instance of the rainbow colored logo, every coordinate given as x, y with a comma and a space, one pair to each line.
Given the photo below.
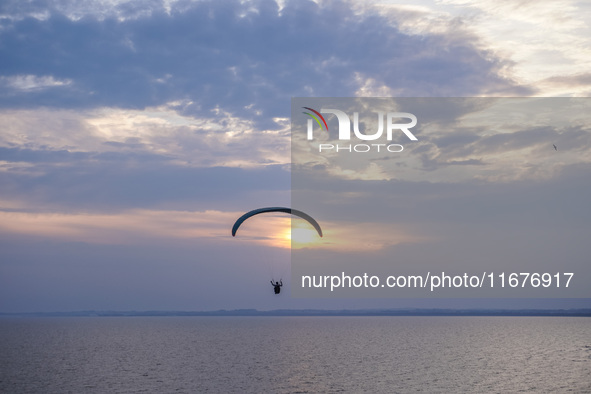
316, 117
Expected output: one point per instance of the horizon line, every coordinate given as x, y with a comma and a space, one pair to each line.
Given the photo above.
570, 312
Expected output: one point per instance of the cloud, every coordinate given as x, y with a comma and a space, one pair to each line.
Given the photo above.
129, 227
110, 159
511, 29
426, 211
246, 58
115, 182
580, 83
32, 82
459, 140
218, 139
111, 106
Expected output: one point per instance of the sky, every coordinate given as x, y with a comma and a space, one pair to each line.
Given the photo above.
134, 134
479, 190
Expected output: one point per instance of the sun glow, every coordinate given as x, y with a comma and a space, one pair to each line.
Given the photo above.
300, 235
303, 237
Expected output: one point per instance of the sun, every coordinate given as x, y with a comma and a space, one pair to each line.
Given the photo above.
303, 235
287, 234
300, 236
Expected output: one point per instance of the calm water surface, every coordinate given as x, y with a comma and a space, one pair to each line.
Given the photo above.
295, 354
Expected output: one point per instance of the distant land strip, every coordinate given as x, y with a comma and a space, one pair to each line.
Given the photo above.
318, 312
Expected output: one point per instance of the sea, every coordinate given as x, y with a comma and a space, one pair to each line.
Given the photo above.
393, 354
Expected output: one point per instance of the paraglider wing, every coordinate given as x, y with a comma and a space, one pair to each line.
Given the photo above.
295, 212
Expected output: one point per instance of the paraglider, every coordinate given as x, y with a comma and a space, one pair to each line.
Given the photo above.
295, 212
277, 286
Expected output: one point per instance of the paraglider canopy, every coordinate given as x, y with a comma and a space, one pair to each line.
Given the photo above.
295, 212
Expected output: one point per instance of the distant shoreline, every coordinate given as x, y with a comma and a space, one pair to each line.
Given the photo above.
317, 312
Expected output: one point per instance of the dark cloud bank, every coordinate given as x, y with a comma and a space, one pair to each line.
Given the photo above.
232, 55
